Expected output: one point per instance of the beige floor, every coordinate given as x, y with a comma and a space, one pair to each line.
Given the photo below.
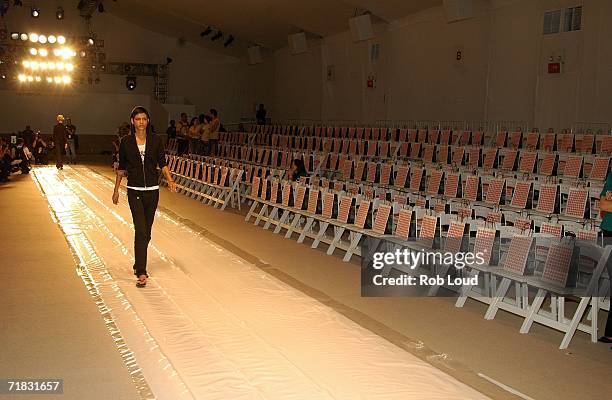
51, 328
460, 342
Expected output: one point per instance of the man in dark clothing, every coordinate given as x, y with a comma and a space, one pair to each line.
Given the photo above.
261, 115
59, 138
71, 139
171, 131
28, 136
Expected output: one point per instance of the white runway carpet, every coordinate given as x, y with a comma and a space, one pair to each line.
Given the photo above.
211, 326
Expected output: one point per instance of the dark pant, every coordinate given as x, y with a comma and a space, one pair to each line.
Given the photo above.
59, 152
71, 151
213, 144
143, 205
608, 240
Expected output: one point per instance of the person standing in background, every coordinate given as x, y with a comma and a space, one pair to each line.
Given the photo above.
171, 131
606, 229
28, 136
215, 125
261, 115
71, 139
182, 131
205, 135
59, 139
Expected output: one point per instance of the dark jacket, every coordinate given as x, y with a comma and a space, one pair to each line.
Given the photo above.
140, 175
59, 135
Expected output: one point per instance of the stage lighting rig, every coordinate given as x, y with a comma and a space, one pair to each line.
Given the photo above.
206, 32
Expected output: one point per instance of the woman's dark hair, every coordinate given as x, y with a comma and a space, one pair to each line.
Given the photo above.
201, 118
208, 118
139, 110
193, 120
213, 112
301, 169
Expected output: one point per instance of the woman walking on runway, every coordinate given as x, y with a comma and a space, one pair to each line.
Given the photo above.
139, 156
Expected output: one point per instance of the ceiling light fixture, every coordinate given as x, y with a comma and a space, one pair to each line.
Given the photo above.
206, 32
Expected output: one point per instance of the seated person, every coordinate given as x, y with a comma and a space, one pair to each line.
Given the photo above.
40, 149
297, 171
23, 154
5, 162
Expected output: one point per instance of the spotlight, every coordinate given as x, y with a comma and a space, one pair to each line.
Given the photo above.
15, 35
206, 32
57, 79
61, 39
43, 52
43, 66
30, 78
37, 79
3, 76
83, 53
229, 41
42, 39
52, 39
90, 41
49, 79
59, 14
21, 77
66, 79
217, 36
33, 37
59, 66
101, 7
33, 51
35, 12
23, 37
69, 67
26, 64
130, 82
51, 65
57, 52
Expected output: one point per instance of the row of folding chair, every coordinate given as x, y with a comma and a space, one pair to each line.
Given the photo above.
563, 142
569, 166
172, 147
209, 183
546, 199
564, 269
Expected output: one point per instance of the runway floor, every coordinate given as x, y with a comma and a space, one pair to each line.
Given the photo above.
211, 325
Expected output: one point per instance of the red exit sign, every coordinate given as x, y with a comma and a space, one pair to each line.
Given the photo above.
554, 68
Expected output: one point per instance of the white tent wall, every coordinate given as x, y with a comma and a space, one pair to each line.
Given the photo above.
502, 74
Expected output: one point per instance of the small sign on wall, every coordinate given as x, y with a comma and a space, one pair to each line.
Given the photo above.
371, 82
554, 68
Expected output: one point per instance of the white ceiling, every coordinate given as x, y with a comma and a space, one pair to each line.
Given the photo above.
263, 22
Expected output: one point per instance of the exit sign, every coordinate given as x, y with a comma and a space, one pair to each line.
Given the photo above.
554, 68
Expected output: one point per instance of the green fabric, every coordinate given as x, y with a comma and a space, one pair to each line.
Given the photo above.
606, 224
